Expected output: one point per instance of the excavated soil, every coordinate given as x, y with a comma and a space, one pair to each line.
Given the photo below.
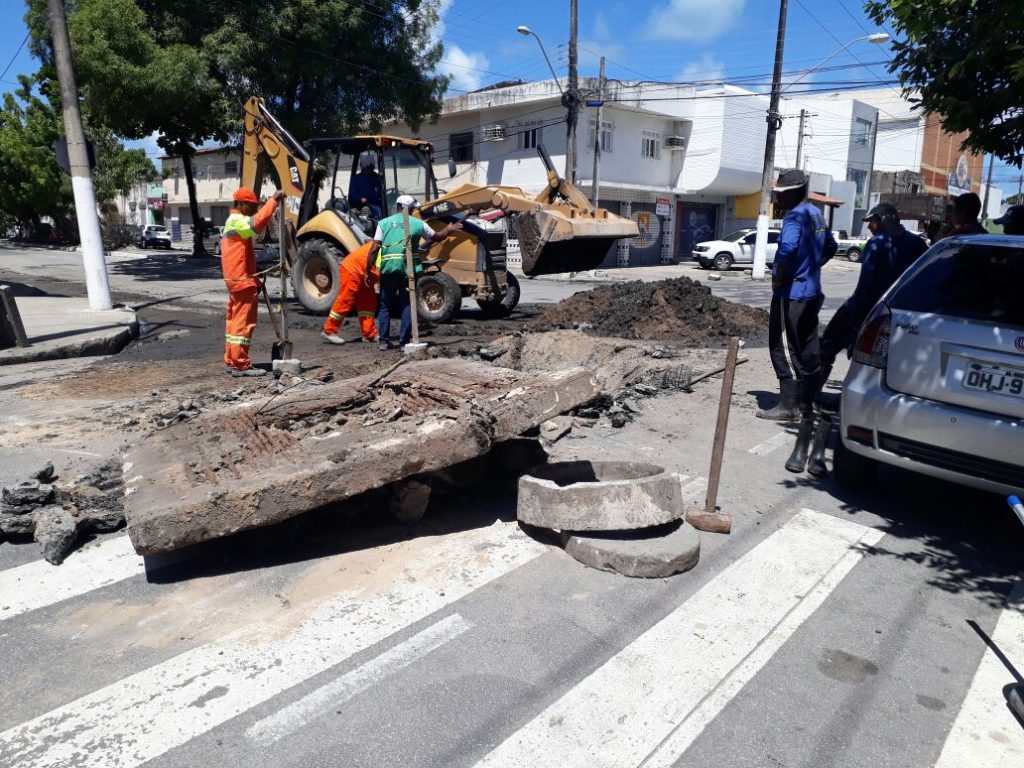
679, 310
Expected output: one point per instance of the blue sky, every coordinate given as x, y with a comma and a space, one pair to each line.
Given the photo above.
688, 40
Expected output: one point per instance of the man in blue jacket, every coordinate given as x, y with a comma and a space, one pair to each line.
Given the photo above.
805, 244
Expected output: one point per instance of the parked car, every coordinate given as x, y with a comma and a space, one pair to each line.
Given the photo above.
737, 248
154, 236
937, 379
850, 247
211, 239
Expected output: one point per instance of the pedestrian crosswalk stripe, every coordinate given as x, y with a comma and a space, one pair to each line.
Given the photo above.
676, 676
329, 696
39, 584
143, 716
772, 443
986, 732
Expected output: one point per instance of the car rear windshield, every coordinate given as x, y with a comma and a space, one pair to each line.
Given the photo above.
974, 281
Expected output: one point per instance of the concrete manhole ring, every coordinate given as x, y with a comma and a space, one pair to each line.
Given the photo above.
653, 553
599, 496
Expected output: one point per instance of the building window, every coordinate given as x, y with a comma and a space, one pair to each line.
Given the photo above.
860, 178
530, 134
231, 167
175, 186
460, 146
606, 136
861, 132
651, 145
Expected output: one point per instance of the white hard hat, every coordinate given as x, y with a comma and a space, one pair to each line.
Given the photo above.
407, 201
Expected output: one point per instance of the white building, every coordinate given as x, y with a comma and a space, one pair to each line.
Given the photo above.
672, 158
216, 172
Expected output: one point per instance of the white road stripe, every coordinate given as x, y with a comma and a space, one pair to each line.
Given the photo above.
143, 716
327, 697
650, 700
986, 732
38, 584
772, 443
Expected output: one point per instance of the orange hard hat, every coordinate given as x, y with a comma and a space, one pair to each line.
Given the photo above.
245, 195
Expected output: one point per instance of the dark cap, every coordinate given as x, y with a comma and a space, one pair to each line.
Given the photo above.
884, 211
791, 178
1014, 216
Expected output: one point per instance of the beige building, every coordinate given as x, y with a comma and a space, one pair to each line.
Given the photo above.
216, 172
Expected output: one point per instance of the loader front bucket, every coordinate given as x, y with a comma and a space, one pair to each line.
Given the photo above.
553, 240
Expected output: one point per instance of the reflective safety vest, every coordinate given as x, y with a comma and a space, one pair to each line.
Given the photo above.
391, 258
237, 255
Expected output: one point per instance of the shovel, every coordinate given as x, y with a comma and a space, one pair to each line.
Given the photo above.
282, 348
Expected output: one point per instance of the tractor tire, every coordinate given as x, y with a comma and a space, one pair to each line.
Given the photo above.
315, 275
508, 302
438, 297
853, 255
723, 262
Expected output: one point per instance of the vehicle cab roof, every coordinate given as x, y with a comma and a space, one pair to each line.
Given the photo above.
354, 145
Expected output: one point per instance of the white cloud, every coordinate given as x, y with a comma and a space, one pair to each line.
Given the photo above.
601, 29
707, 68
463, 67
694, 19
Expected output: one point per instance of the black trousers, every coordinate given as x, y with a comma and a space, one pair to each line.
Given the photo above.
793, 324
840, 333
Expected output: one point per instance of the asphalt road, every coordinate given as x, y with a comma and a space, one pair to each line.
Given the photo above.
831, 628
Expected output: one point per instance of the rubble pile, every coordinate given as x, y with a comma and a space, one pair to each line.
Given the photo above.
56, 515
679, 310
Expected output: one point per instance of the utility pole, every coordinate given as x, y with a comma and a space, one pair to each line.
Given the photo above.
572, 97
93, 258
596, 184
768, 172
800, 139
988, 183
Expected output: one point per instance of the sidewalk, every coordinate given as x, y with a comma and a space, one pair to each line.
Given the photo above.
62, 327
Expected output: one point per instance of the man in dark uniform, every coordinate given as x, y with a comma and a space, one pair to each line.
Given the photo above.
1012, 221
805, 244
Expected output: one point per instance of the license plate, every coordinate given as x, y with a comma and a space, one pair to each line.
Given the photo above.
998, 379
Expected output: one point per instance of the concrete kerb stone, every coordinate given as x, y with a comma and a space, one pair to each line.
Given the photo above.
652, 553
599, 496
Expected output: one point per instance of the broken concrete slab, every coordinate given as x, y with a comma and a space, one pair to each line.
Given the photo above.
650, 553
259, 463
599, 496
409, 500
56, 530
16, 524
554, 429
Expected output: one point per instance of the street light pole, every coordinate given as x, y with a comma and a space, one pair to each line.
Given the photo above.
768, 171
572, 97
595, 191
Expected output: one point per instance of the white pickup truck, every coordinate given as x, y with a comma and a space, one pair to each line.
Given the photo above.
850, 247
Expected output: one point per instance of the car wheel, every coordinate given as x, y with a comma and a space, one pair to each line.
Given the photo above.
852, 470
438, 297
315, 275
508, 302
853, 255
723, 262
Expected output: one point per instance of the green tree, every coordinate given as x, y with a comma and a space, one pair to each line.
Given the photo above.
183, 68
963, 60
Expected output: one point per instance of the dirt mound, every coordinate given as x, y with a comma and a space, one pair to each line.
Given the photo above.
680, 310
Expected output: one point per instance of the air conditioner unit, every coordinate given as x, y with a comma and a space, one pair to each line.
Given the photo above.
495, 133
675, 142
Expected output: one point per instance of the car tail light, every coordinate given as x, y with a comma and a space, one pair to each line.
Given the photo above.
861, 435
872, 345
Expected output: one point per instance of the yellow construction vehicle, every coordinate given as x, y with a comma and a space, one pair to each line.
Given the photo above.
559, 230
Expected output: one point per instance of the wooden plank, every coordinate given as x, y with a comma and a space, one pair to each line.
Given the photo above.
261, 463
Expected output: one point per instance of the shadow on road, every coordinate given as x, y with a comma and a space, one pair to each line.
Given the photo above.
169, 266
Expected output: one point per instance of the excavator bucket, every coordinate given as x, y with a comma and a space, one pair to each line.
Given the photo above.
552, 240
566, 232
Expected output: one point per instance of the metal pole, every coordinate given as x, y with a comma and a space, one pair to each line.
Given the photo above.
988, 183
768, 172
596, 184
800, 138
572, 97
411, 271
93, 258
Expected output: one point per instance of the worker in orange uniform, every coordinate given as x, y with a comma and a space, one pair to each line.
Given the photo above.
358, 275
238, 261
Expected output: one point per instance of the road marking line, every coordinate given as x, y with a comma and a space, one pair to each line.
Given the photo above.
772, 443
39, 584
140, 717
985, 731
649, 701
297, 714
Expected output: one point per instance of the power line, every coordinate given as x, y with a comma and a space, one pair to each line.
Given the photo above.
15, 56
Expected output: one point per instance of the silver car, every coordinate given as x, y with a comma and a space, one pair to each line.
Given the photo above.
936, 384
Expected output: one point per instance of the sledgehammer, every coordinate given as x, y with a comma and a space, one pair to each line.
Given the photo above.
711, 519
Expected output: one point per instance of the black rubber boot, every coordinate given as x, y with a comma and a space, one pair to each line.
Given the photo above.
822, 401
786, 408
816, 463
797, 460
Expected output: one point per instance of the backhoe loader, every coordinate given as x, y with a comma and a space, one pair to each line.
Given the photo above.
559, 230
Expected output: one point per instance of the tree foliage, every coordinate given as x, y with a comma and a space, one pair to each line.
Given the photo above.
963, 60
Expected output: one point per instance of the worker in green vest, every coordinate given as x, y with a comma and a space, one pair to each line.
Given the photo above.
389, 248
